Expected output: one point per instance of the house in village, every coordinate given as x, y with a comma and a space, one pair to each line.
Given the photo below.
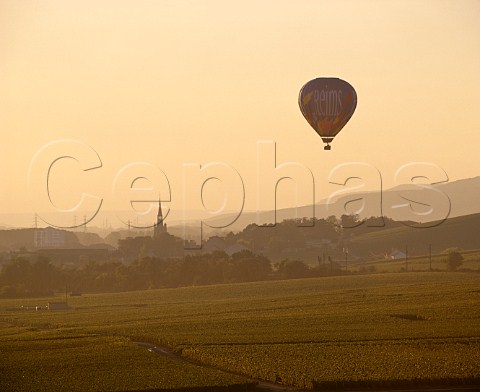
396, 255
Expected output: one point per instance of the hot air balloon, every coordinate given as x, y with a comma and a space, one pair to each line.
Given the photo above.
327, 104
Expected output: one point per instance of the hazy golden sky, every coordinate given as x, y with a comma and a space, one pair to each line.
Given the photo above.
174, 82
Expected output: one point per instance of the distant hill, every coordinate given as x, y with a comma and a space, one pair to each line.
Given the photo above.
449, 199
88, 239
462, 232
453, 199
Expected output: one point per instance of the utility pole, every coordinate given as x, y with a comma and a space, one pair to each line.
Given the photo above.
406, 258
345, 251
430, 255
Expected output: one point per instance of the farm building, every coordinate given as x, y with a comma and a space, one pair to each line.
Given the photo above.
397, 255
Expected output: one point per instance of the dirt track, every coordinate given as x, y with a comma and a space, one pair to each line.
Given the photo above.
269, 386
261, 385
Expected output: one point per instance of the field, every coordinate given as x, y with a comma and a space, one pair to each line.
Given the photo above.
370, 330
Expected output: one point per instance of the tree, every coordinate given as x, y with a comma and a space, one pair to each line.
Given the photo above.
246, 266
350, 221
292, 269
454, 260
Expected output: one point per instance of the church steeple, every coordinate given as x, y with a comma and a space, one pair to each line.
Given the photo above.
159, 227
160, 214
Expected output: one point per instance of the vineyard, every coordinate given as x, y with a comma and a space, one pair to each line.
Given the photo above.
341, 364
375, 330
66, 360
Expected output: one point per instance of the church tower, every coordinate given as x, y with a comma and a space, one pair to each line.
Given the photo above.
159, 227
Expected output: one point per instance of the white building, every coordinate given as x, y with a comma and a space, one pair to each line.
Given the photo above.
48, 238
397, 255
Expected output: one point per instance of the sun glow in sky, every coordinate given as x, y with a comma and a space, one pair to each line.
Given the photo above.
175, 82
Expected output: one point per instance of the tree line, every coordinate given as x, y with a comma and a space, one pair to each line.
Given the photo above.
24, 278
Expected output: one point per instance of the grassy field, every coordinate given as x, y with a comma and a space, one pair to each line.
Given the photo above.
337, 331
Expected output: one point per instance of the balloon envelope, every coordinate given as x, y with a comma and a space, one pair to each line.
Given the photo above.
327, 104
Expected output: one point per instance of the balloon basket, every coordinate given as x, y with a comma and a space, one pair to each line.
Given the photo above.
327, 147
